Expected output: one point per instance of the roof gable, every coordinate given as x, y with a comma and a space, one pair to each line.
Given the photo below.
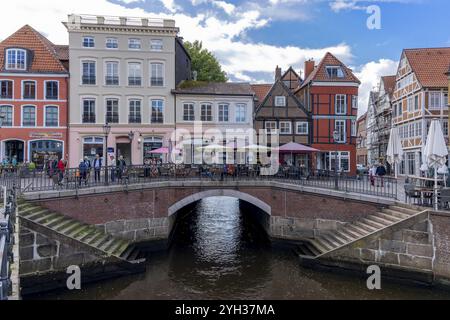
45, 58
289, 93
320, 73
429, 65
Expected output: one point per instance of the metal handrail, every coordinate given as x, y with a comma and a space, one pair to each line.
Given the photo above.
7, 241
74, 178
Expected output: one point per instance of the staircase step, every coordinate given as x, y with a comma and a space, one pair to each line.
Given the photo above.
76, 231
63, 224
101, 241
127, 252
117, 245
366, 227
134, 254
312, 249
404, 209
29, 210
84, 234
380, 220
338, 237
70, 228
345, 236
121, 250
396, 213
46, 218
36, 214
362, 232
105, 246
53, 221
356, 235
335, 242
93, 237
322, 245
373, 223
389, 217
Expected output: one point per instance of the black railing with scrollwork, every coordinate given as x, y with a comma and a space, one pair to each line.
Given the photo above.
7, 225
70, 179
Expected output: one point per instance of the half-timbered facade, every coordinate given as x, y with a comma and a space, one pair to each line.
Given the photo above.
280, 112
330, 93
420, 94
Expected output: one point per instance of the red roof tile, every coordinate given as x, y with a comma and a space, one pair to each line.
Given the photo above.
430, 66
320, 73
45, 56
389, 84
261, 91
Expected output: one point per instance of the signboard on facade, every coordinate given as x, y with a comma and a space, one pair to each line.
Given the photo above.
46, 135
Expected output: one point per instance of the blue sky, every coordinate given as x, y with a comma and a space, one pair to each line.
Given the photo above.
250, 37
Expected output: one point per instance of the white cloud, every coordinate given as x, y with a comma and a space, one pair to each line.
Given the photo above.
369, 75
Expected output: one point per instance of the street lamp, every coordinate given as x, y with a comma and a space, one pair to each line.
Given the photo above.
106, 131
2, 117
336, 137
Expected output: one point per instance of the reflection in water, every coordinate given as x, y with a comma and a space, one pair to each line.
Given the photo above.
217, 253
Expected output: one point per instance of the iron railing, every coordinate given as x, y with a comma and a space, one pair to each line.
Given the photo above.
7, 226
74, 178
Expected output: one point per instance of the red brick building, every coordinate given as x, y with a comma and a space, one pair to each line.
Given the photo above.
330, 92
33, 97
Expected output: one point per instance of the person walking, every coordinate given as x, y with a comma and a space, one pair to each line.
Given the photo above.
381, 172
121, 167
372, 173
89, 167
97, 167
61, 169
82, 168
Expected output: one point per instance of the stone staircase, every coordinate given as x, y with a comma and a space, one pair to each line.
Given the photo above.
78, 234
394, 217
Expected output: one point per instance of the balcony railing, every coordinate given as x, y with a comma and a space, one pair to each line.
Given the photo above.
89, 80
89, 118
134, 81
134, 119
112, 81
112, 118
156, 82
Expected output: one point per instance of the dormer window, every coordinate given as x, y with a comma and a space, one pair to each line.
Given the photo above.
280, 101
335, 72
16, 59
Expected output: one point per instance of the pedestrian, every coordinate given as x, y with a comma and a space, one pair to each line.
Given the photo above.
121, 167
97, 167
381, 172
372, 173
82, 167
113, 168
61, 169
89, 167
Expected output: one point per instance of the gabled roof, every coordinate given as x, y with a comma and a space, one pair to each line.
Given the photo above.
46, 55
389, 84
261, 91
214, 88
429, 65
289, 92
320, 74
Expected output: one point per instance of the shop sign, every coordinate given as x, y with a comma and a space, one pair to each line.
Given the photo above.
46, 135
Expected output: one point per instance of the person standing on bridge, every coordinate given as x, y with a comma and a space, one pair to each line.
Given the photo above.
97, 167
61, 169
121, 167
381, 172
82, 167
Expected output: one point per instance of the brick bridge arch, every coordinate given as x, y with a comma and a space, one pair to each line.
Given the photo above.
174, 208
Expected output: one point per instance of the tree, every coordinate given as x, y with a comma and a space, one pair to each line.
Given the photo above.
205, 63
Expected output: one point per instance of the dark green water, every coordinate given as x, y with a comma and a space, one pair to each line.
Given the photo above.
218, 254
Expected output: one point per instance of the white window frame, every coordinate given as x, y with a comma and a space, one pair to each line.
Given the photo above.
88, 37
35, 115
158, 48
185, 104
95, 72
105, 72
35, 90
12, 89
273, 130
210, 105
241, 109
129, 109
354, 102
302, 123
227, 107
45, 90
339, 72
129, 63
344, 105
112, 98
434, 94
162, 111
281, 123
163, 68
278, 102
45, 116
353, 128
82, 99
17, 50
344, 135
12, 114
137, 41
112, 40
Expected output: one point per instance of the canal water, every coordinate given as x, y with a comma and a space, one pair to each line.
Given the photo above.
217, 253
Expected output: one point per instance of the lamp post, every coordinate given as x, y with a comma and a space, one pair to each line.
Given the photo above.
106, 131
2, 117
336, 137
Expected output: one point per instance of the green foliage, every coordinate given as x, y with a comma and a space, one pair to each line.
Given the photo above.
205, 63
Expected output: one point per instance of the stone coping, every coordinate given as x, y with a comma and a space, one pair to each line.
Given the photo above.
43, 195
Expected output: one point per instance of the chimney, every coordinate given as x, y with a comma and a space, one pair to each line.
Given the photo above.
277, 73
309, 67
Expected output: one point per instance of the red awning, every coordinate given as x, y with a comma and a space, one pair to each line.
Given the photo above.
293, 147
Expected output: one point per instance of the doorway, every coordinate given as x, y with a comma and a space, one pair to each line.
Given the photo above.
124, 149
14, 148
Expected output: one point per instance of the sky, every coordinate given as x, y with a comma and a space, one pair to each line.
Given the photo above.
251, 37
